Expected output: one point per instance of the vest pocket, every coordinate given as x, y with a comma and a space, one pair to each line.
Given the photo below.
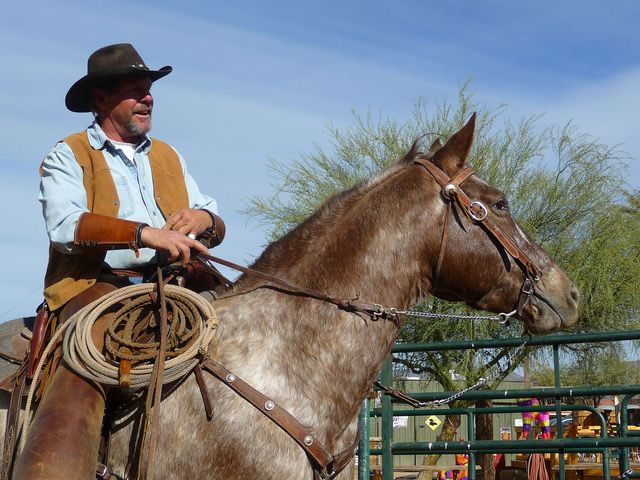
170, 192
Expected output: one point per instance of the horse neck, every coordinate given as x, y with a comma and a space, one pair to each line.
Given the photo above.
375, 242
372, 244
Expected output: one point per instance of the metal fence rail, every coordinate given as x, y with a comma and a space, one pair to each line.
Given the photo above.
560, 445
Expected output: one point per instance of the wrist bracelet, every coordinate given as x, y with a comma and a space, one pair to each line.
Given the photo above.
139, 243
213, 220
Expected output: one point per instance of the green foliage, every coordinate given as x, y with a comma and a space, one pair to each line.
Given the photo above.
605, 364
565, 188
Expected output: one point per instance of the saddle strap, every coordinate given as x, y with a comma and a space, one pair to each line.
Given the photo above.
38, 338
325, 464
197, 371
154, 393
12, 422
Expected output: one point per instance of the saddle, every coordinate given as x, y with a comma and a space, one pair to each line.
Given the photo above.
21, 343
15, 340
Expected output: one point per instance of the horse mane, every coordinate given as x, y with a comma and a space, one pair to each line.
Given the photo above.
279, 253
282, 254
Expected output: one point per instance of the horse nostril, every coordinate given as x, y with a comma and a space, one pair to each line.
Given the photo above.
575, 295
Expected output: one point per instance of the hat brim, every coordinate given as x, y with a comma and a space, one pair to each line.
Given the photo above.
79, 95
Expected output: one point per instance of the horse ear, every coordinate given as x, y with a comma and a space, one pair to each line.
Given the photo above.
416, 151
435, 146
452, 156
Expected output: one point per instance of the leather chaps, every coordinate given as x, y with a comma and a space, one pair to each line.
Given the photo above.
64, 436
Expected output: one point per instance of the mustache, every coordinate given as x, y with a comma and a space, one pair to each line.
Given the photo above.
141, 109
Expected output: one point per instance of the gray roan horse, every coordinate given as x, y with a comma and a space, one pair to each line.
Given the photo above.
381, 242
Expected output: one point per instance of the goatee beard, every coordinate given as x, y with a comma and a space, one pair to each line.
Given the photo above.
136, 129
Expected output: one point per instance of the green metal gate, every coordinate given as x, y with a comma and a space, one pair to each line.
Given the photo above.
623, 441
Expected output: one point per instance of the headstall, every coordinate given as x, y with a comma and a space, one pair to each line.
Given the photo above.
478, 213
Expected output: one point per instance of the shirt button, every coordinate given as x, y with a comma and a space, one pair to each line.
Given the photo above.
153, 213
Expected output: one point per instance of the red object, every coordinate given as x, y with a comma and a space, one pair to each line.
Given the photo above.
498, 463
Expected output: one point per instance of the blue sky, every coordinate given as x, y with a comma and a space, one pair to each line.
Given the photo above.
256, 80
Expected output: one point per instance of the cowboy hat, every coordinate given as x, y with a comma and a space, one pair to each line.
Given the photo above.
106, 65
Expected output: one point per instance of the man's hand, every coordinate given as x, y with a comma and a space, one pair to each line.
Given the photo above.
177, 244
188, 220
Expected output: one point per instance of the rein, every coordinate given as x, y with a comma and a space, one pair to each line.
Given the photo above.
354, 305
476, 211
374, 310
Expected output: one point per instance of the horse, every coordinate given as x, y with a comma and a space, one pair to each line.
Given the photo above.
389, 241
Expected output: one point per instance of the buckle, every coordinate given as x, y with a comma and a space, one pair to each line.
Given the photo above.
527, 287
378, 310
478, 217
102, 471
504, 317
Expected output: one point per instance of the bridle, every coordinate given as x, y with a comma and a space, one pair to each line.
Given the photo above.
453, 194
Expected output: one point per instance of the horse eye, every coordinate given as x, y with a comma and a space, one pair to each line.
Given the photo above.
502, 204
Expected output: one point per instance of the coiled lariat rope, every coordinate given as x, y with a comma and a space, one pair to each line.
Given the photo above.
184, 344
191, 328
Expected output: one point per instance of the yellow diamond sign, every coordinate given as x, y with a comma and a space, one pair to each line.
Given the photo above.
433, 422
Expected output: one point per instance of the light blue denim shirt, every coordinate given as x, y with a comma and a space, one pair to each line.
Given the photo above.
64, 199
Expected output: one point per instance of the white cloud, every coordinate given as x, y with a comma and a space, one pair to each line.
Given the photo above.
606, 109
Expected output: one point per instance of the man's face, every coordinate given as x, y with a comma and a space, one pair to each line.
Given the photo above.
125, 111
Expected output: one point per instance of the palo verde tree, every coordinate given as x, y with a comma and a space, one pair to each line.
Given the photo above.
564, 187
605, 365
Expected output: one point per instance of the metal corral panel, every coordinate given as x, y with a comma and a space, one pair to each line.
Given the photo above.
417, 430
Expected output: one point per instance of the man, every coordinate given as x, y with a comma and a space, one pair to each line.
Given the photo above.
112, 199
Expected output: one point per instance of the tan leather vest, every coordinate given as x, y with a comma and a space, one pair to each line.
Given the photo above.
69, 275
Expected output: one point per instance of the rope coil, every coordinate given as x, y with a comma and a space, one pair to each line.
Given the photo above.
187, 307
83, 357
136, 318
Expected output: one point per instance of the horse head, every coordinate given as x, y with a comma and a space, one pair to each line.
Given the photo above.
478, 262
405, 233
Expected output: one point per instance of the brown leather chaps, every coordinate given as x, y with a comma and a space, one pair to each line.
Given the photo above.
64, 436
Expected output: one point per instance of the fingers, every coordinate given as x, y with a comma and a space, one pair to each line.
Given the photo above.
199, 247
185, 253
188, 220
171, 221
179, 251
186, 248
183, 227
179, 219
177, 245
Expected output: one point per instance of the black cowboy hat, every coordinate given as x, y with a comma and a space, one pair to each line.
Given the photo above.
106, 65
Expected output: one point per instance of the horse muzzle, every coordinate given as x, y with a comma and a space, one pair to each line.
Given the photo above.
553, 304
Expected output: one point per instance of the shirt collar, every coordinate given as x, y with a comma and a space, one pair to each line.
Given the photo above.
98, 139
